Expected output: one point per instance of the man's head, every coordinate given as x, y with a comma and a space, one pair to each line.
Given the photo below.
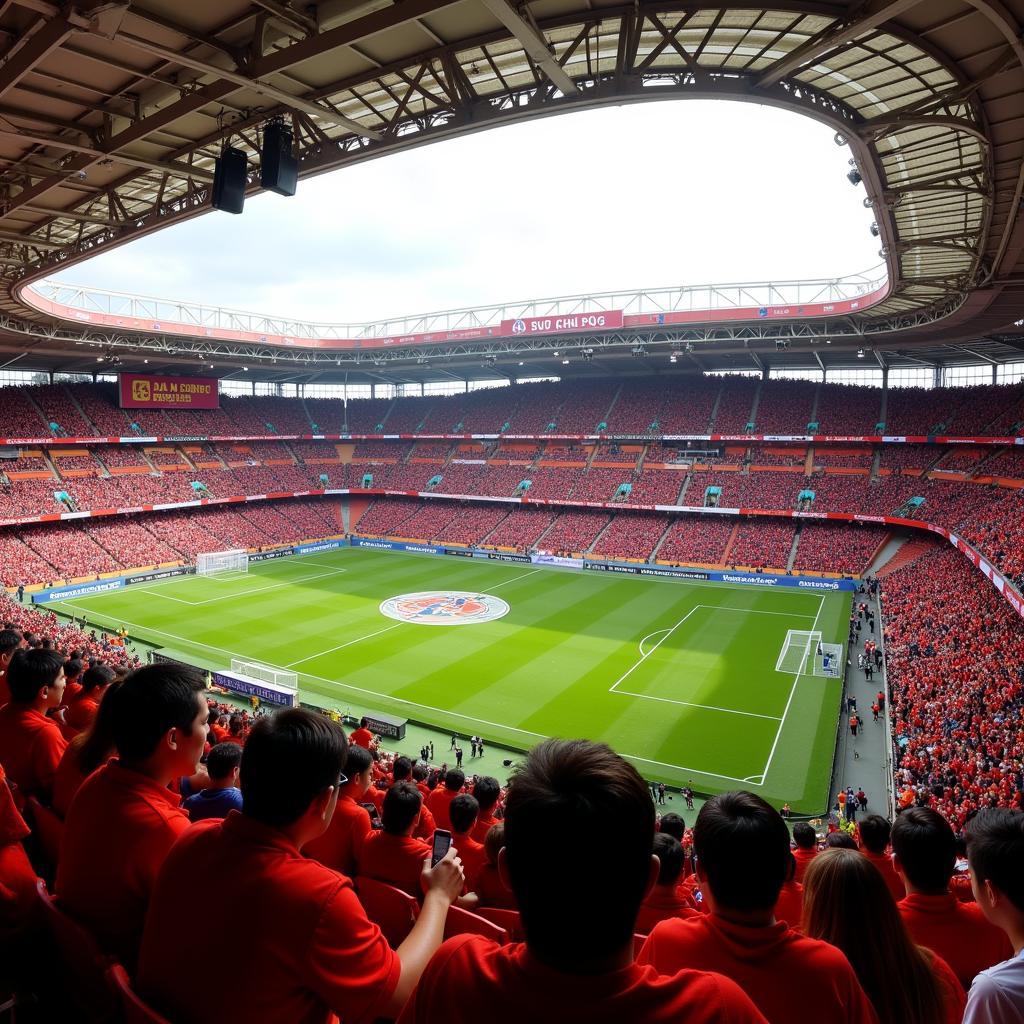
96, 679
577, 814
670, 856
10, 641
159, 719
874, 833
804, 836
995, 851
742, 848
291, 766
223, 763
673, 825
401, 809
455, 780
401, 770
36, 678
924, 849
359, 769
73, 670
463, 812
486, 789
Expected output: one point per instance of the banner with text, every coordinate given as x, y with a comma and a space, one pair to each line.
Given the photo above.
145, 391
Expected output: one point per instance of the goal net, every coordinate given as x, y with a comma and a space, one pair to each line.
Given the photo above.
213, 563
804, 652
265, 674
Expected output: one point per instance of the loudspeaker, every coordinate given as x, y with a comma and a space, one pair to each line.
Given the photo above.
279, 168
229, 181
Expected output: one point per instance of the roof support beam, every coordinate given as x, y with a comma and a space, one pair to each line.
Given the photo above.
33, 50
534, 45
288, 14
867, 17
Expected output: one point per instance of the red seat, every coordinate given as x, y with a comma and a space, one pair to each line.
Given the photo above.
135, 1010
84, 965
462, 922
392, 910
47, 831
504, 918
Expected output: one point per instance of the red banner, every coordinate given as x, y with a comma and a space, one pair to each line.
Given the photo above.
566, 324
144, 391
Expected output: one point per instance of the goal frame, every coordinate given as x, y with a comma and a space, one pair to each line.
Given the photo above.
216, 563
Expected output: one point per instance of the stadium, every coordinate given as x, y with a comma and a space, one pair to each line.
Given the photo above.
612, 645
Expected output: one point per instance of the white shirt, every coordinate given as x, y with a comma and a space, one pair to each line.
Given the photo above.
997, 995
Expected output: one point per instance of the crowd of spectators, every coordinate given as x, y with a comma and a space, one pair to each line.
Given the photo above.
472, 524
786, 406
522, 529
697, 540
632, 536
574, 532
762, 544
599, 484
834, 548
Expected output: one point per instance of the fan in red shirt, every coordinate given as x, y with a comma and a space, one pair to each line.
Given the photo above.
31, 743
924, 850
576, 816
362, 737
805, 840
340, 844
874, 833
17, 876
439, 800
391, 854
463, 811
663, 902
743, 858
402, 771
302, 946
491, 890
82, 709
124, 819
10, 641
487, 791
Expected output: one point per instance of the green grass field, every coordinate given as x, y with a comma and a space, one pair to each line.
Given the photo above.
678, 676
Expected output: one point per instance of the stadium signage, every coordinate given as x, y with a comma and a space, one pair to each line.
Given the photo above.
325, 545
147, 391
459, 552
160, 574
187, 437
262, 556
248, 688
77, 590
757, 579
819, 584
385, 725
687, 574
501, 556
608, 320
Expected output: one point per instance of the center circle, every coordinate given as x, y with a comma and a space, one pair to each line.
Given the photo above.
444, 608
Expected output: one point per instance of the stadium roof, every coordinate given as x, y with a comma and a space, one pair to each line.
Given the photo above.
112, 114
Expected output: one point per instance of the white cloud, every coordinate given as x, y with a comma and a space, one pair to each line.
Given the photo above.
661, 194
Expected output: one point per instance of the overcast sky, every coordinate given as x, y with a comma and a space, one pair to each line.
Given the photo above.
649, 195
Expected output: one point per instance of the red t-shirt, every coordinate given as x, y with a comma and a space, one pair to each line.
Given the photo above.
439, 801
661, 906
361, 738
31, 746
81, 713
425, 826
508, 985
790, 905
301, 945
339, 846
954, 998
957, 931
492, 891
397, 860
775, 965
473, 858
888, 872
17, 876
118, 831
803, 858
483, 826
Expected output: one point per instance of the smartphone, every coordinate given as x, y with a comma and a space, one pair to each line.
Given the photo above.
442, 843
371, 810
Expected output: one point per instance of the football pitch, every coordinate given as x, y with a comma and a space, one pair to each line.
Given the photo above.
679, 676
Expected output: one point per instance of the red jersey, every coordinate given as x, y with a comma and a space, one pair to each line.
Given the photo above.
510, 986
361, 738
81, 713
492, 891
473, 858
958, 932
884, 864
483, 825
803, 858
397, 860
771, 964
302, 947
339, 846
663, 906
31, 746
118, 831
789, 907
17, 876
439, 801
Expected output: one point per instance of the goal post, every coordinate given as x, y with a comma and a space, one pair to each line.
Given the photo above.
276, 677
805, 653
213, 563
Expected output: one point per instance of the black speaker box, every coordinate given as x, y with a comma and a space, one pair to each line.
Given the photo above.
279, 169
229, 181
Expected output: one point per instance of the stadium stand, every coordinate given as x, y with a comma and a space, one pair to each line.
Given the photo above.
762, 545
574, 532
630, 536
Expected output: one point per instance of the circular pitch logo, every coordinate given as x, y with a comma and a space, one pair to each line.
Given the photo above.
444, 608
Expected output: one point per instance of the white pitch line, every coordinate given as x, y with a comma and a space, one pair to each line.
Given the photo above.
657, 632
690, 704
644, 657
756, 611
513, 580
349, 643
792, 692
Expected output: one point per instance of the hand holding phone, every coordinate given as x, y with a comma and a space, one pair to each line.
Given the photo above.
441, 845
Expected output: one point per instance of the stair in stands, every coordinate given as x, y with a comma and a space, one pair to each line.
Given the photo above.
791, 561
910, 551
604, 529
729, 544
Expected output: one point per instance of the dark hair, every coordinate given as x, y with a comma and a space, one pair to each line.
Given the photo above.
152, 700
874, 833
72, 668
576, 815
288, 760
401, 769
672, 824
670, 853
742, 846
10, 640
487, 790
455, 780
494, 841
840, 840
222, 759
419, 772
30, 671
359, 759
401, 805
96, 745
236, 724
923, 841
804, 836
97, 675
363, 722
463, 812
995, 850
